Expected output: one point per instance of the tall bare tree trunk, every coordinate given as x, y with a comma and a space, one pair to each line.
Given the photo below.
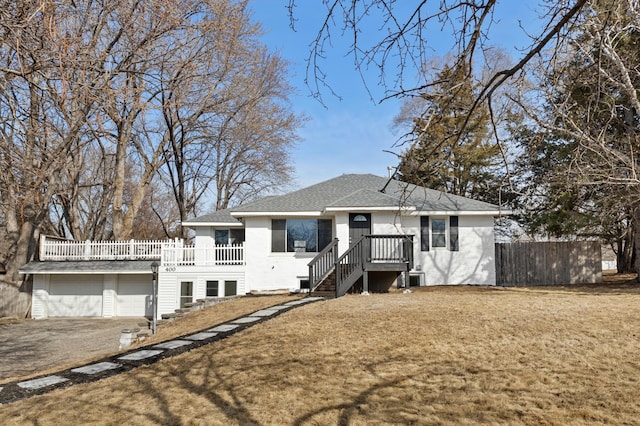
15, 289
636, 240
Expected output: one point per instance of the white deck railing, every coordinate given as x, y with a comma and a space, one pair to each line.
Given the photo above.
58, 250
192, 256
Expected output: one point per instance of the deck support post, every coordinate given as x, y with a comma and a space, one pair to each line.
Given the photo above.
407, 282
365, 282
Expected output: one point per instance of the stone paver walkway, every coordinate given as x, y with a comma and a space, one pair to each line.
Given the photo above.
14, 391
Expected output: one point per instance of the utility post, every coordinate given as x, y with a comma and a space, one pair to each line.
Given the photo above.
154, 298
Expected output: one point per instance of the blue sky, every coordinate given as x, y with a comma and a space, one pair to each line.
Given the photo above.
351, 134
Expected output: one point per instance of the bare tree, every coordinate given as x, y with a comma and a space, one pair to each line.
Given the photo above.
230, 97
401, 47
93, 99
47, 95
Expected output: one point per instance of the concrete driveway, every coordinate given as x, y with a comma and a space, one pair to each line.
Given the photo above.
30, 346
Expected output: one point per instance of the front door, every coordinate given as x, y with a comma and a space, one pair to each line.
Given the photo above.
359, 225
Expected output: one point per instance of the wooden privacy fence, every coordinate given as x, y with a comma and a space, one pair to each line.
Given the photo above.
548, 263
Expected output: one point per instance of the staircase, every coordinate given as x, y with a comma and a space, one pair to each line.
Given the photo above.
330, 274
326, 288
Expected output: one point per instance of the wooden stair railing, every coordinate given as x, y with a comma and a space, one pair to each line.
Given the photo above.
350, 266
323, 264
345, 270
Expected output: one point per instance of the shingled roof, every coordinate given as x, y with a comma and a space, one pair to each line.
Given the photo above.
353, 191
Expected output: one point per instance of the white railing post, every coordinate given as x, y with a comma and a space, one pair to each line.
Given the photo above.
87, 249
132, 249
43, 239
163, 252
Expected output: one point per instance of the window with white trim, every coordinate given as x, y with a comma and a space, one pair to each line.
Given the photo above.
437, 233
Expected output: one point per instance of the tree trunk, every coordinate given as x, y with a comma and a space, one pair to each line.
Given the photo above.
15, 288
117, 218
636, 240
625, 253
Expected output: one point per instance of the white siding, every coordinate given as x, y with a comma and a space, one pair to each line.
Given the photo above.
266, 270
473, 264
387, 223
169, 283
342, 231
167, 293
204, 237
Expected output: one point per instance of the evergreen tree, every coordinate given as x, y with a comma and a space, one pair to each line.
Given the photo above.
451, 151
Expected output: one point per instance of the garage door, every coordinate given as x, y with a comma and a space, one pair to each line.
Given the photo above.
134, 296
75, 296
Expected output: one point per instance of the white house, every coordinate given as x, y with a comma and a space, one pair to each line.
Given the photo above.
379, 232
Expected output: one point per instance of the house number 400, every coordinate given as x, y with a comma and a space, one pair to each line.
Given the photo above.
170, 269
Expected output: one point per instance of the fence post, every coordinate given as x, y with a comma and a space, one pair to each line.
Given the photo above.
87, 249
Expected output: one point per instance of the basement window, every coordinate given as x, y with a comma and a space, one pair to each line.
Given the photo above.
212, 288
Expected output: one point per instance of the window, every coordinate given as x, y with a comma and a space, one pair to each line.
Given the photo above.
300, 235
230, 288
236, 236
222, 237
438, 233
360, 218
212, 288
225, 237
186, 293
438, 230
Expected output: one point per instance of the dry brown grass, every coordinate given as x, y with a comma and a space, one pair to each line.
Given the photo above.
194, 321
448, 355
216, 314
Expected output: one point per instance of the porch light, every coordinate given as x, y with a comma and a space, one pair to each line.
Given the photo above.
154, 297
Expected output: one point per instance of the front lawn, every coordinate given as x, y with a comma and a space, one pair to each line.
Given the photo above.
449, 355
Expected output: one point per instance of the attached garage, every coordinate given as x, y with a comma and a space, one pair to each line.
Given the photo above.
75, 296
91, 289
